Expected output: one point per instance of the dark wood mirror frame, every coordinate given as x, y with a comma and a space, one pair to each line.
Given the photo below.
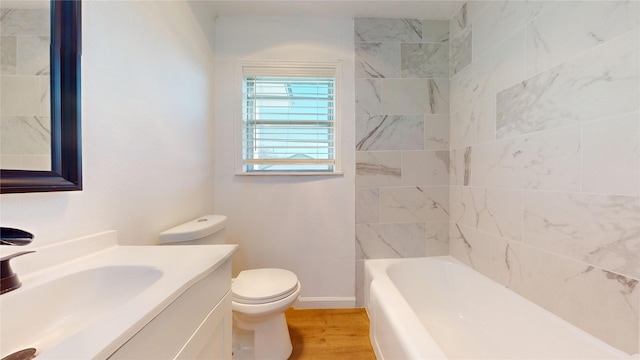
66, 154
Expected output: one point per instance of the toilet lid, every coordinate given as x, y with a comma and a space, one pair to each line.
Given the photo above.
263, 285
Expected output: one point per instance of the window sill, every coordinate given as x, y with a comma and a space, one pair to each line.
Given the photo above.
291, 173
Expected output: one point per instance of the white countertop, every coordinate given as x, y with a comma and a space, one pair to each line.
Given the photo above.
180, 267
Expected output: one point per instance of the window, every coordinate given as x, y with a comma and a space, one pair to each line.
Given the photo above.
289, 122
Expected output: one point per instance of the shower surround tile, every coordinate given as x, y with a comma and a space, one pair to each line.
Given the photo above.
437, 238
388, 30
474, 124
471, 246
380, 168
550, 41
413, 204
425, 60
25, 22
24, 99
493, 72
559, 175
460, 166
415, 96
377, 60
460, 35
402, 138
600, 302
476, 8
33, 55
544, 161
602, 230
600, 83
36, 162
425, 168
8, 55
494, 211
460, 21
461, 51
436, 132
500, 16
384, 241
25, 135
435, 31
611, 155
10, 162
387, 132
367, 96
367, 205
45, 96
20, 95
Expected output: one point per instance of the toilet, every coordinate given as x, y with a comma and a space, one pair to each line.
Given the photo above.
259, 296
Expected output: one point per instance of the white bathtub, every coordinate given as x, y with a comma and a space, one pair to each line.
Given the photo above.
438, 308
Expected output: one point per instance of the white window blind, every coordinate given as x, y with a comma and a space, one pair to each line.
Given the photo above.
289, 119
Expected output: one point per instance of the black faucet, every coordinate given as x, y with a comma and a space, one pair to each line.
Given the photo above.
9, 236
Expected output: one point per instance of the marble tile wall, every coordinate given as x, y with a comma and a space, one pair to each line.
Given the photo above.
545, 156
24, 84
402, 139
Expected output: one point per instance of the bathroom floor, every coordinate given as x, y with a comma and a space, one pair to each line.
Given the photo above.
319, 334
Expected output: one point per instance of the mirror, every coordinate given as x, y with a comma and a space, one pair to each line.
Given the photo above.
25, 141
65, 172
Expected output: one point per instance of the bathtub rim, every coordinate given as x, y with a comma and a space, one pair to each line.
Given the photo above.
376, 270
396, 307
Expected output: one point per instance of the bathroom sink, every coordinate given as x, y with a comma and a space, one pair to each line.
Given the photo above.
40, 316
86, 297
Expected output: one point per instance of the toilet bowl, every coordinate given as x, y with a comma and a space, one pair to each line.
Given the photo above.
259, 296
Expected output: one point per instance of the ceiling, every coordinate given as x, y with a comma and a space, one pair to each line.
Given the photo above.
415, 9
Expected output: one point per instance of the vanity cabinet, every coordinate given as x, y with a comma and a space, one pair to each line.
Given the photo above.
208, 342
196, 325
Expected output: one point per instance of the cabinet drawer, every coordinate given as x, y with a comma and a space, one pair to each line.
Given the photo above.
166, 334
212, 340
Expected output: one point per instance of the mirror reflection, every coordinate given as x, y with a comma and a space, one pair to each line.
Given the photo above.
25, 139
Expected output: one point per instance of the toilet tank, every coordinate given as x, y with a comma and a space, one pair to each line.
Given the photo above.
205, 230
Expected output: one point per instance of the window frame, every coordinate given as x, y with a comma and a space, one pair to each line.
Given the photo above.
287, 68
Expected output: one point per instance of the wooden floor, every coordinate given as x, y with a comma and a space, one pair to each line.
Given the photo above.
329, 334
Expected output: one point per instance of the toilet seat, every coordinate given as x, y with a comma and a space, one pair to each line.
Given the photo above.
262, 286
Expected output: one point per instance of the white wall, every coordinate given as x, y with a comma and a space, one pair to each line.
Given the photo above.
304, 224
146, 127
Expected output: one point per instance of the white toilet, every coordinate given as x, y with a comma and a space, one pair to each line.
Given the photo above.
259, 296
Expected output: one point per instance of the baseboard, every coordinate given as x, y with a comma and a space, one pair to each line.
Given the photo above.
328, 302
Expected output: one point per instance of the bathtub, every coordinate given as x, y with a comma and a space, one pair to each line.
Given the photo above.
438, 308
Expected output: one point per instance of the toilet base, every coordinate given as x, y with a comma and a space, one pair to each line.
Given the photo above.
242, 343
271, 340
